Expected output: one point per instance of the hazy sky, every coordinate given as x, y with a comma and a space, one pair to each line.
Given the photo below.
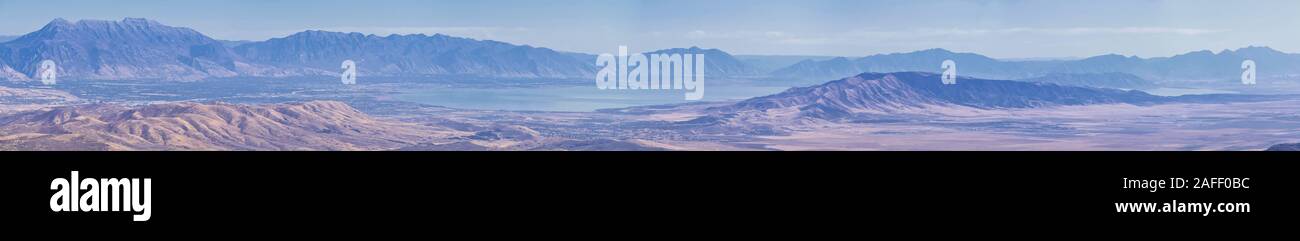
1005, 29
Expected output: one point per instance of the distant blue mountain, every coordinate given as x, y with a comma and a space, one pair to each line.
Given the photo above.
717, 62
1195, 66
233, 43
5, 38
968, 64
765, 64
416, 55
129, 49
143, 49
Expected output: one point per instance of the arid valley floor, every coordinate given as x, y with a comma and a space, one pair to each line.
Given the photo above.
45, 119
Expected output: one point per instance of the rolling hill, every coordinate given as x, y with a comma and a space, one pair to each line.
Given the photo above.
317, 125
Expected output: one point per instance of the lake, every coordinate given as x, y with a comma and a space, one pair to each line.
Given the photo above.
1167, 91
455, 93
569, 98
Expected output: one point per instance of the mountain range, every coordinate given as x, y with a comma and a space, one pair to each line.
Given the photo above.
322, 52
129, 49
765, 64
1203, 66
135, 48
